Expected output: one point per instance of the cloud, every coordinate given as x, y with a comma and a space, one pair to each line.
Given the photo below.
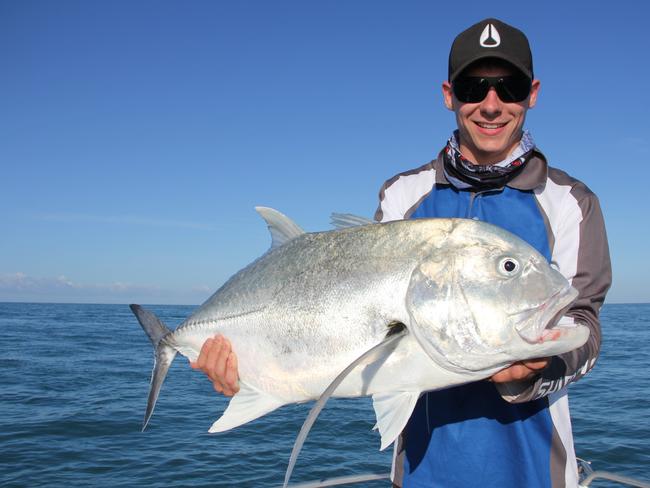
22, 287
22, 282
122, 220
202, 289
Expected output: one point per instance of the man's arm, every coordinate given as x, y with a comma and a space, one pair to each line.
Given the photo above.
592, 278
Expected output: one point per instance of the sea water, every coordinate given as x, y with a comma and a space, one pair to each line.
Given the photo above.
74, 381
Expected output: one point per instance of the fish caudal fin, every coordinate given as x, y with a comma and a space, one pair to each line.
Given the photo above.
164, 354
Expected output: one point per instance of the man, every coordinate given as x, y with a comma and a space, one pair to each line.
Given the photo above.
514, 430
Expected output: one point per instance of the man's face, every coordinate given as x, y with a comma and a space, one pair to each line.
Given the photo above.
489, 130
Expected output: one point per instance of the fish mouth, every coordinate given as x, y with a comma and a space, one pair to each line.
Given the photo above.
538, 323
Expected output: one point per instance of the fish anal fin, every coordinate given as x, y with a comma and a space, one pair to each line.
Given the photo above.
393, 410
248, 404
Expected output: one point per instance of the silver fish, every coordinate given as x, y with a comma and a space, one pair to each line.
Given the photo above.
468, 297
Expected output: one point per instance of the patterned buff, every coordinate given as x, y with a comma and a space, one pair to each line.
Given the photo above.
464, 174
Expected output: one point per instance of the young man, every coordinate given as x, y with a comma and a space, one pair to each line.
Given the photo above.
514, 430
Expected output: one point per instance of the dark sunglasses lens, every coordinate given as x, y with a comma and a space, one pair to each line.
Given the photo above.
473, 89
470, 89
513, 88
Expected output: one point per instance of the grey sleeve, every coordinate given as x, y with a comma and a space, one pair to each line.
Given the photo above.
592, 279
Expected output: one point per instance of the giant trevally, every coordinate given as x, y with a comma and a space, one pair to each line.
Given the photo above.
471, 297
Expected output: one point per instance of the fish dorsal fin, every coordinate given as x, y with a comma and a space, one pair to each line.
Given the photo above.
282, 228
345, 220
393, 411
367, 357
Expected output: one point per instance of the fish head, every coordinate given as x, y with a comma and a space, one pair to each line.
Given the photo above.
484, 299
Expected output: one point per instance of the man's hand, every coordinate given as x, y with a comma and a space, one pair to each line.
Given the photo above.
218, 361
520, 371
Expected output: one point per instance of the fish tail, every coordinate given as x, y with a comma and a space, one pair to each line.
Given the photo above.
164, 354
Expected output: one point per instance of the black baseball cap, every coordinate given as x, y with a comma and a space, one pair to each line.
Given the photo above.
490, 38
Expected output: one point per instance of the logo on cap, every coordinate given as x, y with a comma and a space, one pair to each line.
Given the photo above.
490, 36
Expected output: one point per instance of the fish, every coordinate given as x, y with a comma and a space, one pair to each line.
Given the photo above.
389, 310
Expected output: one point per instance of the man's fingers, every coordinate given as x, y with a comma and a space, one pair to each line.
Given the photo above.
522, 370
537, 364
516, 372
219, 369
213, 357
219, 363
232, 375
203, 355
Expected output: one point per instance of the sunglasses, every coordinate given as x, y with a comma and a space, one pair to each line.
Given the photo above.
474, 89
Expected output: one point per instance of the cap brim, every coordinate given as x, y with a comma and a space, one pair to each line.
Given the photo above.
496, 55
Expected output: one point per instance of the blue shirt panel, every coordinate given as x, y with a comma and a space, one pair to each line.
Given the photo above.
468, 435
514, 210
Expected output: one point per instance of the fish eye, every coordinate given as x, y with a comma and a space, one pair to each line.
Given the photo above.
508, 266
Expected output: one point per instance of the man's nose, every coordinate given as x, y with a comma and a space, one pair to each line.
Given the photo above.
491, 104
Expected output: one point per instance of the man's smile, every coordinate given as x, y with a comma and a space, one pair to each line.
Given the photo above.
490, 128
486, 125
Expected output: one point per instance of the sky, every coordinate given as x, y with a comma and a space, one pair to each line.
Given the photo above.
136, 137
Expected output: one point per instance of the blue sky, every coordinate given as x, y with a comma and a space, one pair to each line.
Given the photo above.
137, 136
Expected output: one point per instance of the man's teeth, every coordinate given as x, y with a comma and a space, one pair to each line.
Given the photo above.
489, 126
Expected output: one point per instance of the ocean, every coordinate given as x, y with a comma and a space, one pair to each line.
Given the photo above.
74, 381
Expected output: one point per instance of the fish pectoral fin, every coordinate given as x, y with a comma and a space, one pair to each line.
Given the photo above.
389, 342
393, 411
248, 404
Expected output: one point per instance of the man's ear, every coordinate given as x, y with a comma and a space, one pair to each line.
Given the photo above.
448, 95
534, 91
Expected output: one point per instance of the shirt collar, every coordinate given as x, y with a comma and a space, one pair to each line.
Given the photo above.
532, 176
